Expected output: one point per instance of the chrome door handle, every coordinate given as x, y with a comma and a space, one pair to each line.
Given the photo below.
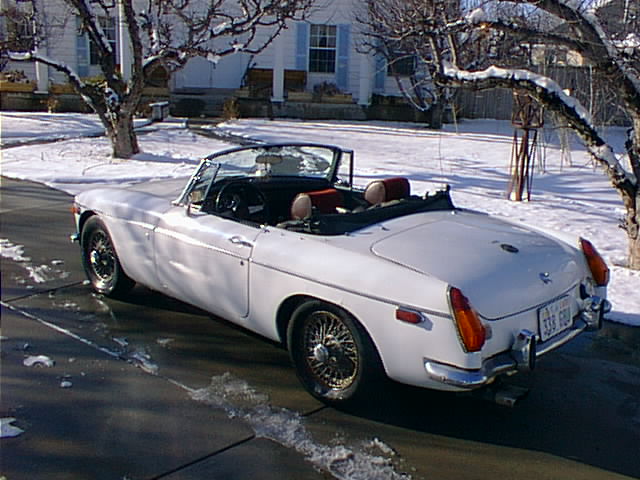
240, 241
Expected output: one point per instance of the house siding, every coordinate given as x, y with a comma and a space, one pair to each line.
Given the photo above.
353, 74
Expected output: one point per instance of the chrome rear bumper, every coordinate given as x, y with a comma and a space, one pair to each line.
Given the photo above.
523, 353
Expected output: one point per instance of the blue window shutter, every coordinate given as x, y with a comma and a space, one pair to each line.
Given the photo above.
342, 67
82, 50
381, 72
302, 46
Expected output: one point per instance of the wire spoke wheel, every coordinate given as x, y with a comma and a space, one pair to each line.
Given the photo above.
330, 350
100, 260
102, 256
334, 356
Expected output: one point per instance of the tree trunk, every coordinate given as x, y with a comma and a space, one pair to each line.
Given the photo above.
123, 139
632, 203
633, 235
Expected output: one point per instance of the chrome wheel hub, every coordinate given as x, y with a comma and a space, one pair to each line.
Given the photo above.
95, 259
321, 353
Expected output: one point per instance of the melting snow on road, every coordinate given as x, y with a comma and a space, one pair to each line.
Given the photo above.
37, 273
287, 428
7, 430
38, 361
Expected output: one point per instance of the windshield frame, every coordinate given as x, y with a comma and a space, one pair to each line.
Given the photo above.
212, 161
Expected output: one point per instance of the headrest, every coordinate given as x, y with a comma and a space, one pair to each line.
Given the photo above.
320, 201
380, 191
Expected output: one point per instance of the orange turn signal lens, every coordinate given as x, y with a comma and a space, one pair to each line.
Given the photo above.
597, 265
408, 316
75, 209
470, 328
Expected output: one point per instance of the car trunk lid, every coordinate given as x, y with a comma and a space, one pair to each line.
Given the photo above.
501, 267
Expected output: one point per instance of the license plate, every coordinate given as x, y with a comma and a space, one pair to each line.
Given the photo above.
554, 318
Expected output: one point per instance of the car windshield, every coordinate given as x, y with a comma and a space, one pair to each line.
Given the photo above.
280, 160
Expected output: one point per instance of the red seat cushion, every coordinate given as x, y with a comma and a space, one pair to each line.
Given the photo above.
380, 191
320, 201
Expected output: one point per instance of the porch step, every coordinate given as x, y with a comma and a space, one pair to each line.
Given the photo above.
197, 102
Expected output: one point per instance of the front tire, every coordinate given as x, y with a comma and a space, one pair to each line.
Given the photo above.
334, 356
100, 261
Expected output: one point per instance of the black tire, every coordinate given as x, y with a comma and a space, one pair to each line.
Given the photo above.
100, 260
334, 357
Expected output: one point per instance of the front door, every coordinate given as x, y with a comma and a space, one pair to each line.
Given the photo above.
203, 259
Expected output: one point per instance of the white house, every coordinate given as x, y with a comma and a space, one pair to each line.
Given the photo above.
325, 46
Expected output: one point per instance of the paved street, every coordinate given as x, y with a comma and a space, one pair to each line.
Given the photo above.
150, 388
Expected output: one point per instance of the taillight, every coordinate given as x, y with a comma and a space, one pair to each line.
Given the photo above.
597, 265
470, 328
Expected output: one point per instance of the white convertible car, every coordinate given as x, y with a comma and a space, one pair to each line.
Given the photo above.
357, 284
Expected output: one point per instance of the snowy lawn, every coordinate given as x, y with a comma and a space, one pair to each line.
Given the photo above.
473, 157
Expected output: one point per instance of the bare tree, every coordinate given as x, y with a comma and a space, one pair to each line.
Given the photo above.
161, 33
459, 49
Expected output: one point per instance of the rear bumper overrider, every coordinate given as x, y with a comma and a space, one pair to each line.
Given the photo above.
523, 353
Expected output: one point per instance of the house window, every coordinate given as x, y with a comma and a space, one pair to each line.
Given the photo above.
19, 30
402, 64
322, 49
109, 28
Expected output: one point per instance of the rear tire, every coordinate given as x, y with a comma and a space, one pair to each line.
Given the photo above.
334, 356
100, 261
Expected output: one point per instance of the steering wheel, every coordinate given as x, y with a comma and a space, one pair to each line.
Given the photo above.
245, 201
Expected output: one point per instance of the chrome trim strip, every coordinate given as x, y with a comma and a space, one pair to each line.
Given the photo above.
145, 225
196, 243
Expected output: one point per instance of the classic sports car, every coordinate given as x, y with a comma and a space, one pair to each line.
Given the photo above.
357, 284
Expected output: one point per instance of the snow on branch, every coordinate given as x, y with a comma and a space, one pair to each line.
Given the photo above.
550, 94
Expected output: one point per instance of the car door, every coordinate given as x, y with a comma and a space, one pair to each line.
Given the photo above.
203, 259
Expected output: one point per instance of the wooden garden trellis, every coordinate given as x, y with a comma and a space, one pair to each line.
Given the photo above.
527, 118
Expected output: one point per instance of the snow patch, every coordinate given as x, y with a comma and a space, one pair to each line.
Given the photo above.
144, 361
7, 430
213, 58
476, 16
38, 361
218, 29
65, 382
12, 251
164, 342
239, 400
37, 273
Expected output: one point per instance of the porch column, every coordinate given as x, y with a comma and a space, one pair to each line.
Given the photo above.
124, 43
278, 70
366, 79
42, 75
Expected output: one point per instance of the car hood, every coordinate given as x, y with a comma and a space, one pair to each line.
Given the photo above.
168, 189
502, 267
144, 202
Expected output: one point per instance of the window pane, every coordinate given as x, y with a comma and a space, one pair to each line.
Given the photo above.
109, 28
322, 51
323, 61
402, 65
